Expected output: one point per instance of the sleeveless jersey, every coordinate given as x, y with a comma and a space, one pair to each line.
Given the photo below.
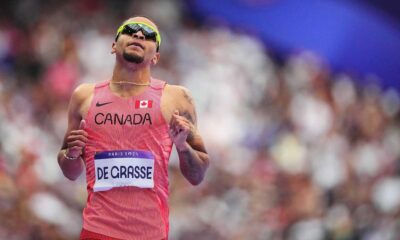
126, 159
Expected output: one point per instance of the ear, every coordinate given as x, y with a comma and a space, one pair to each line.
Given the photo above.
155, 59
113, 50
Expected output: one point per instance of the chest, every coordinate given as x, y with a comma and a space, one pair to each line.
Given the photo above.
140, 109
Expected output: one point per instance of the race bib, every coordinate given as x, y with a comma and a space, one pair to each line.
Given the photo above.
123, 168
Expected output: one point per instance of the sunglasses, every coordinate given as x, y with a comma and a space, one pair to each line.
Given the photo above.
149, 32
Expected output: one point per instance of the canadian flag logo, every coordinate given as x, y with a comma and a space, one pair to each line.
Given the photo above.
143, 104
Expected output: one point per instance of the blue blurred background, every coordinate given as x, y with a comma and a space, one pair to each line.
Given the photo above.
354, 36
298, 104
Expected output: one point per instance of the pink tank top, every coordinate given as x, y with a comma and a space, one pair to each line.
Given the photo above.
126, 160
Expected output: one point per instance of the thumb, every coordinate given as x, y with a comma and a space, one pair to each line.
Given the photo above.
82, 125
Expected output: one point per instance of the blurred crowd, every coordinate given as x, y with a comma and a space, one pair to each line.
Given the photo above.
298, 152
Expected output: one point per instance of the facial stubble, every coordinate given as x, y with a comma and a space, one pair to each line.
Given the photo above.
134, 58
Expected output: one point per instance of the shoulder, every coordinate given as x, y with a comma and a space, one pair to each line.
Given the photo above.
83, 91
80, 99
182, 100
177, 91
176, 97
174, 88
81, 96
84, 88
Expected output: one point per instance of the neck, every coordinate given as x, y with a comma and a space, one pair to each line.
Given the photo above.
135, 76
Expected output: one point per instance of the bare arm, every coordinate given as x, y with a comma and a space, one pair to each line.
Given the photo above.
193, 157
70, 156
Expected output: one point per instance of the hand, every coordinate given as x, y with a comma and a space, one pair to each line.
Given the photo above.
180, 129
76, 141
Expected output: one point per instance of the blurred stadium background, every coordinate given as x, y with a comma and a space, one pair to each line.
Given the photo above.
297, 101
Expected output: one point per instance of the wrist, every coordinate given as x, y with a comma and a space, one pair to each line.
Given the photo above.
182, 147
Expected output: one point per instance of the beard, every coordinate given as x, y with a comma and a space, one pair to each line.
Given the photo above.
133, 58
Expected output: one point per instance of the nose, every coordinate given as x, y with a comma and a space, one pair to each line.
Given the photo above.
139, 35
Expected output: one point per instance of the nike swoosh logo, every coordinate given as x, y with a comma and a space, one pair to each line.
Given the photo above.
102, 104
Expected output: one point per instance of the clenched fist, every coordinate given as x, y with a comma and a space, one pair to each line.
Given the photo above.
76, 141
181, 130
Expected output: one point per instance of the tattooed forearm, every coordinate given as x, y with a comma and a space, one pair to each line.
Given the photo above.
193, 165
193, 158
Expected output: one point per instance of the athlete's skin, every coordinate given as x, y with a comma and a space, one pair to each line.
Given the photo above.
177, 108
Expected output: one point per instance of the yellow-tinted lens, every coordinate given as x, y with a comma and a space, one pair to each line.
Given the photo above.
145, 27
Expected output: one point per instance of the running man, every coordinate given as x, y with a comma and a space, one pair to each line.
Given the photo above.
122, 132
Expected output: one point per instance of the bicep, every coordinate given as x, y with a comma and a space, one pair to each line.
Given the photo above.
74, 117
188, 109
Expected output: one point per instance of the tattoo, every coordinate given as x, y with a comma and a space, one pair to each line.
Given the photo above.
190, 165
195, 116
186, 114
189, 98
189, 117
